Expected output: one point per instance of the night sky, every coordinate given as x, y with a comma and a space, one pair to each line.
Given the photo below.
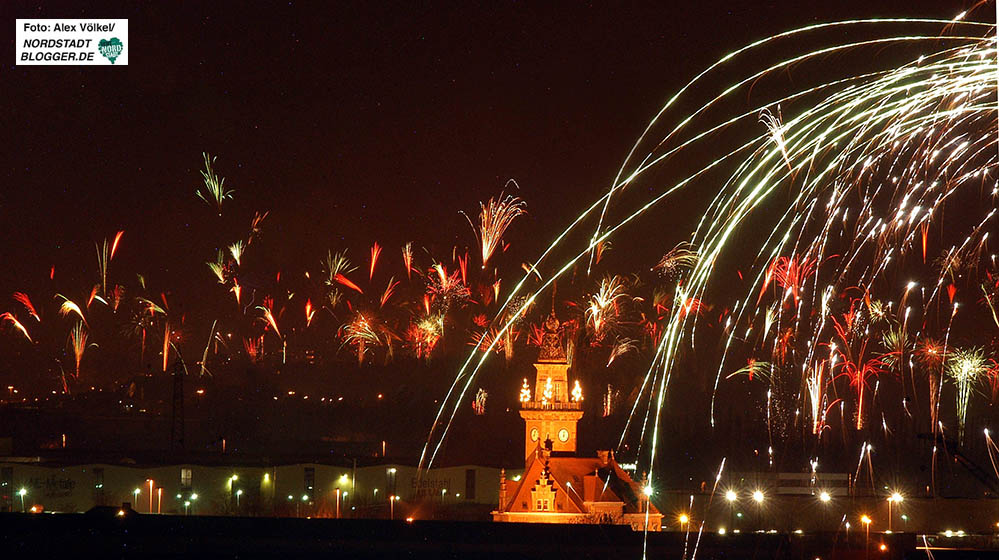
349, 122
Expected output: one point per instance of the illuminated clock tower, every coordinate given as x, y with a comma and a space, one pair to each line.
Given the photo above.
551, 414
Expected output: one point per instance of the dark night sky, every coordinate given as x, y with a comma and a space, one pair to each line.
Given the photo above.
350, 122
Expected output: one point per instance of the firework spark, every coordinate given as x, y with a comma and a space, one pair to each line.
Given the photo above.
213, 192
494, 219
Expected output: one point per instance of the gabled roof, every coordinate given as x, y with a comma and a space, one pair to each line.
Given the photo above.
583, 479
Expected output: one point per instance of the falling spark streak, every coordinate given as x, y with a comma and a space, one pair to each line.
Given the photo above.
407, 259
24, 300
8, 317
389, 290
341, 279
858, 122
204, 355
309, 312
68, 307
775, 125
376, 250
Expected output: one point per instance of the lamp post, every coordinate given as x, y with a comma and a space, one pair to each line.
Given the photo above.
159, 500
238, 494
895, 498
338, 502
825, 498
758, 497
867, 538
135, 498
392, 500
731, 497
21, 493
150, 482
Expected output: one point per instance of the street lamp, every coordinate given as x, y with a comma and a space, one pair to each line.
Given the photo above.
392, 500
150, 482
238, 494
895, 498
683, 519
825, 498
758, 498
867, 539
21, 493
135, 497
731, 497
338, 502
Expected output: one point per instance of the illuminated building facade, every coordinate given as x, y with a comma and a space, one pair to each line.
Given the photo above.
557, 486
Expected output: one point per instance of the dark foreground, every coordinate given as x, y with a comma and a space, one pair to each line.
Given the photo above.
104, 534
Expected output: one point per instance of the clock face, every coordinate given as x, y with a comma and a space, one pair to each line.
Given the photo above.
563, 435
534, 434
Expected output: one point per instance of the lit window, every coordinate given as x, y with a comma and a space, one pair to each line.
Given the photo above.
185, 478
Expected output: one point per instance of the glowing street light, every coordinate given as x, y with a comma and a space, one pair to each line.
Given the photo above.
135, 496
392, 500
758, 498
896, 499
731, 497
21, 493
824, 497
683, 519
149, 481
867, 526
238, 494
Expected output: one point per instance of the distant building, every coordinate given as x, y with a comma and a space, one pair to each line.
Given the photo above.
557, 486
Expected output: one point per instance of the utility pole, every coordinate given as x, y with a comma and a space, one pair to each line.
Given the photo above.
177, 425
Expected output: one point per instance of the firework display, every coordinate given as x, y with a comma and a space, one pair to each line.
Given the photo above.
810, 251
831, 257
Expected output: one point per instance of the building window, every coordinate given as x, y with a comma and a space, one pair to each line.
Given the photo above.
185, 479
310, 483
469, 484
543, 505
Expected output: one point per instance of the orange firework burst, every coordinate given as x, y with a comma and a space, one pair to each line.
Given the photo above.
790, 274
24, 300
8, 317
309, 312
494, 219
407, 259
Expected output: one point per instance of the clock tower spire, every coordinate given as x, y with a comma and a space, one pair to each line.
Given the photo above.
551, 413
